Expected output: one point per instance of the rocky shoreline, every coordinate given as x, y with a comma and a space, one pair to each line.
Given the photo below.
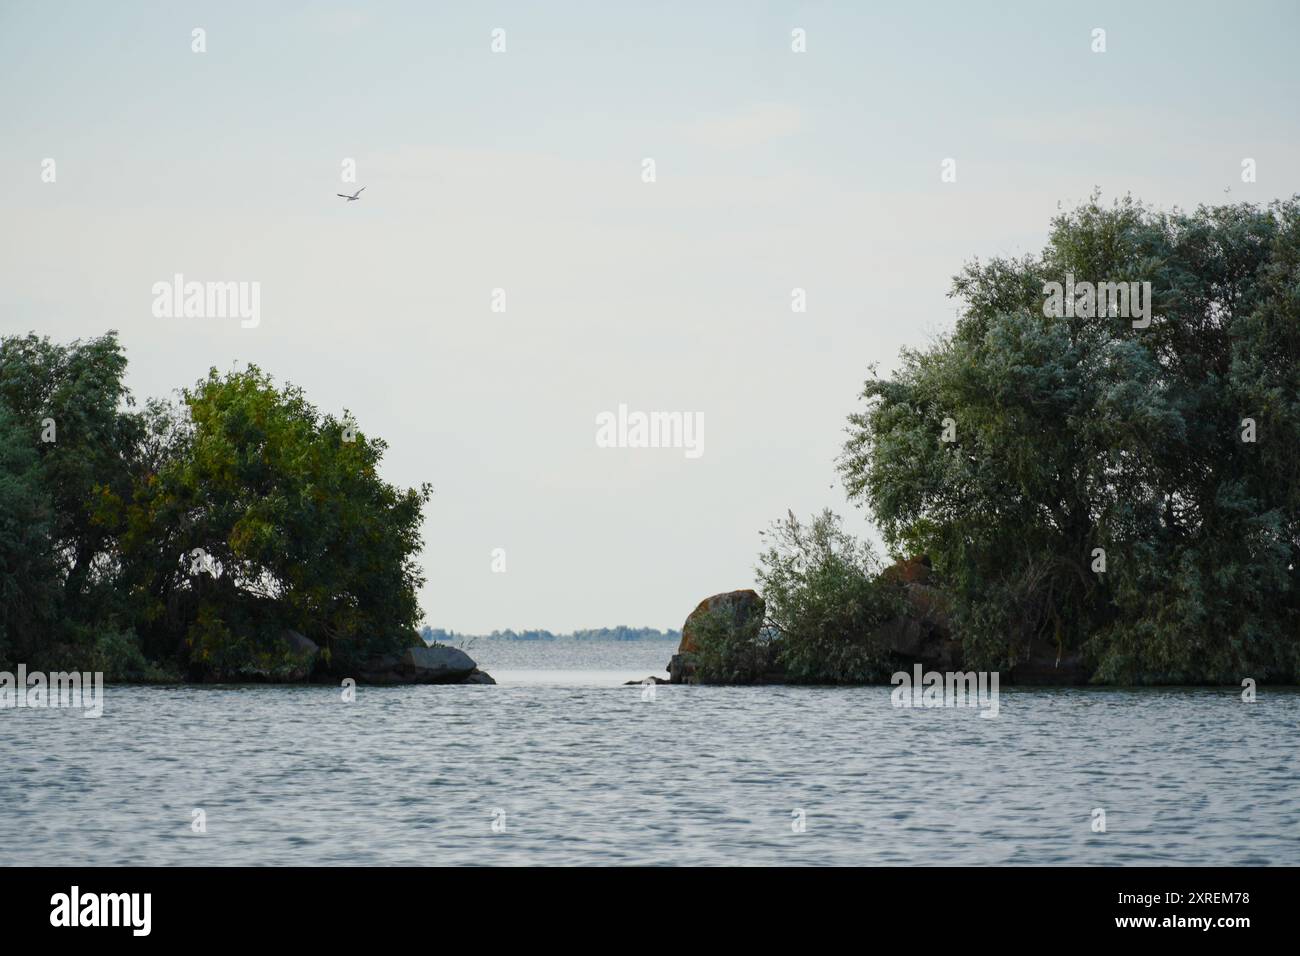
429, 664
435, 664
922, 634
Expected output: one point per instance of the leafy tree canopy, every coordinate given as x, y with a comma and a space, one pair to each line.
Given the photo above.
203, 528
1073, 434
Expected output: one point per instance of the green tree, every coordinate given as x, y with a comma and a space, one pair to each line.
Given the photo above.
67, 431
264, 515
1078, 434
30, 587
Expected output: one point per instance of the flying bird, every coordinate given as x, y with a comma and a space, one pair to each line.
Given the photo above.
354, 197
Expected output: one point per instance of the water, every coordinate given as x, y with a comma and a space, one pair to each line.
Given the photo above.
571, 663
587, 772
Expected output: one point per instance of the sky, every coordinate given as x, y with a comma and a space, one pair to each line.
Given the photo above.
523, 170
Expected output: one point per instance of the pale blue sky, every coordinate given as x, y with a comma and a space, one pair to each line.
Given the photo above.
522, 171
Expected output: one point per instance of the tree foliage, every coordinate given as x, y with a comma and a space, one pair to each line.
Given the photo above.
66, 429
192, 533
1074, 434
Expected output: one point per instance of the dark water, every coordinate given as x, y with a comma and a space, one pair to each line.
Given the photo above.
588, 772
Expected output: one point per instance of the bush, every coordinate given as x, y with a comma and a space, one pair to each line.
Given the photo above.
116, 653
824, 599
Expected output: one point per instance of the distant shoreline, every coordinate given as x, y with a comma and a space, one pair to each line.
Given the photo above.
619, 633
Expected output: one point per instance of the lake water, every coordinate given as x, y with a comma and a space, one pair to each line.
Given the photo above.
576, 769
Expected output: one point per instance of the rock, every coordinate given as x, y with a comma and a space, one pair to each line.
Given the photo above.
380, 670
911, 571
681, 669
302, 652
436, 664
743, 610
646, 680
291, 660
745, 607
298, 643
923, 633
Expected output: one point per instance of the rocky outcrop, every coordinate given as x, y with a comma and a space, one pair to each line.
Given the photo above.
910, 571
302, 654
291, 660
923, 632
742, 610
745, 608
438, 663
433, 664
681, 669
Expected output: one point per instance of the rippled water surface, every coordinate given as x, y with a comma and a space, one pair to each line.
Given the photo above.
588, 772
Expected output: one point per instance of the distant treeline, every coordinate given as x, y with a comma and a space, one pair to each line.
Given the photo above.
619, 633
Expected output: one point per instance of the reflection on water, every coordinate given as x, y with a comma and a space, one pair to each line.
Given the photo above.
588, 771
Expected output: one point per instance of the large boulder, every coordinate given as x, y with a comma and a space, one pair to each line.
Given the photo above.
433, 664
744, 607
923, 633
910, 571
380, 670
438, 664
742, 610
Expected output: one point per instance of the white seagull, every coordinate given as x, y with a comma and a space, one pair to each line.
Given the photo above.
354, 197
